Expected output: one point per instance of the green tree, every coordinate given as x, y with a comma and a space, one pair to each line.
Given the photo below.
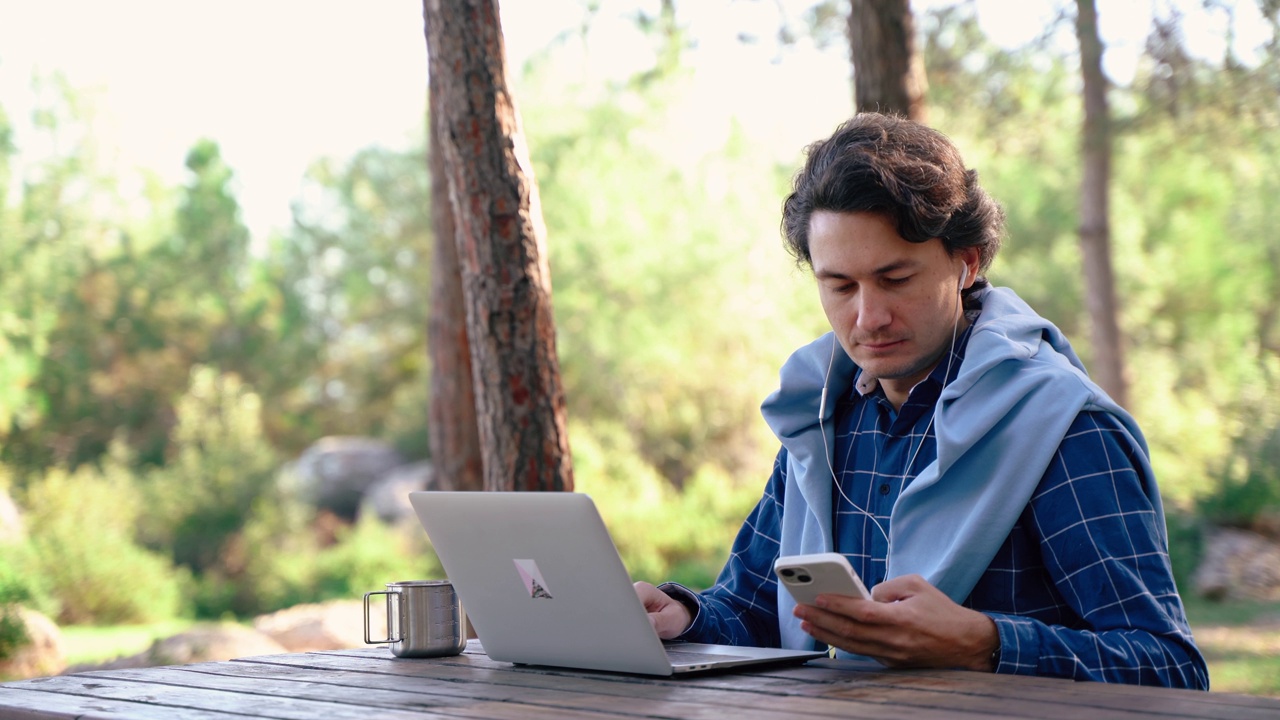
670, 325
358, 259
64, 223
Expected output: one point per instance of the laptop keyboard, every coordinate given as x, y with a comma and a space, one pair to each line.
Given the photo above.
688, 657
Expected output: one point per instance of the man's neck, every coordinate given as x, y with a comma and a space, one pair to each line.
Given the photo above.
897, 390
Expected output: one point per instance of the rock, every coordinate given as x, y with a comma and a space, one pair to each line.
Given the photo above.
335, 472
43, 653
203, 643
11, 529
388, 497
1238, 564
333, 625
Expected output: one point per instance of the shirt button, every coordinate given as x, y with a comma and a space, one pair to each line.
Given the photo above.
884, 489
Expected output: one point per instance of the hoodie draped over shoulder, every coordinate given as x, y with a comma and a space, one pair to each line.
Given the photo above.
997, 425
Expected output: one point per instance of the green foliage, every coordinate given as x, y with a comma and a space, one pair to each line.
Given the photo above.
15, 591
660, 273
221, 464
1193, 213
370, 554
1186, 543
66, 214
82, 548
282, 559
358, 258
661, 534
1249, 483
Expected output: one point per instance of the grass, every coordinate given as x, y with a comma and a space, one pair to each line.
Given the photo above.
1241, 643
93, 644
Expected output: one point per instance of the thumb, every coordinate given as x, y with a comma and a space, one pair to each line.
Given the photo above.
899, 588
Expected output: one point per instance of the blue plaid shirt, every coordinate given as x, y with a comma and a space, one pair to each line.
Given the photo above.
1081, 588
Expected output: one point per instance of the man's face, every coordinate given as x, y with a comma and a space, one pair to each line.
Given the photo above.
893, 304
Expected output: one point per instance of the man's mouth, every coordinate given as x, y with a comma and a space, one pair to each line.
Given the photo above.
879, 345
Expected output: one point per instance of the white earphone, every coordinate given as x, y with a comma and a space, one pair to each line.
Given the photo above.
822, 411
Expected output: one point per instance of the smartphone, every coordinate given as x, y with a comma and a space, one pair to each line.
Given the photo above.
807, 576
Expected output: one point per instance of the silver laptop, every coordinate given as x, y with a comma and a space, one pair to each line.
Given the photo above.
542, 583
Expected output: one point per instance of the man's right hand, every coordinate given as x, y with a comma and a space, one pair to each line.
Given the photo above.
668, 616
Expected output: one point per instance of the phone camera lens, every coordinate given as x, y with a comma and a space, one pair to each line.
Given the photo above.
787, 572
804, 578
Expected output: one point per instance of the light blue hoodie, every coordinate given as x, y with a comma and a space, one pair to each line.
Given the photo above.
997, 425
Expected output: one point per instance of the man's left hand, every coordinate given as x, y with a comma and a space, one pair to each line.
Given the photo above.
909, 623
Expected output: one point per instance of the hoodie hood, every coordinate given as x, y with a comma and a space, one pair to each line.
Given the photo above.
997, 426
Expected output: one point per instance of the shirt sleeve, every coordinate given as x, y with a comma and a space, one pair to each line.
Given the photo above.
742, 607
1108, 557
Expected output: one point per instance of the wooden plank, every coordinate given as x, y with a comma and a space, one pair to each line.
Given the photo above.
1003, 682
606, 690
368, 681
1117, 695
1048, 692
776, 698
20, 704
181, 700
649, 701
779, 695
318, 686
1005, 692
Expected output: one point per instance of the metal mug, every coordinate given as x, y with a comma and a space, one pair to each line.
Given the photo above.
424, 619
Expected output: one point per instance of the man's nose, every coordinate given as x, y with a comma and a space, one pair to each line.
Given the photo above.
873, 311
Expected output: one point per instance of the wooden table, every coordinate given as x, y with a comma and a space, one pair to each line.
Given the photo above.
371, 684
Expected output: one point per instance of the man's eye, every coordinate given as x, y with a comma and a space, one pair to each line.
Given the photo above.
897, 280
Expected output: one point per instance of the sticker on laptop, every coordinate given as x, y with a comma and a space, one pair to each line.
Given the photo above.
532, 577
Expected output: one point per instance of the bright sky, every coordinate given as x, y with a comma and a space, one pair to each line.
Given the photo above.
279, 83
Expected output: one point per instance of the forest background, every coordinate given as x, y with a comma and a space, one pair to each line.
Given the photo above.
161, 360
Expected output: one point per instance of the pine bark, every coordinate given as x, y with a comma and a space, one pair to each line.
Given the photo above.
888, 70
1095, 225
520, 404
452, 433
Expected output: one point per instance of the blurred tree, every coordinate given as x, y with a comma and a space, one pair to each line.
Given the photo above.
672, 40
453, 432
506, 278
358, 258
17, 363
888, 70
141, 311
1095, 211
56, 252
1012, 111
1196, 184
674, 302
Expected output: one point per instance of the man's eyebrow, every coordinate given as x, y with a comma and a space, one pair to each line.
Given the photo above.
885, 269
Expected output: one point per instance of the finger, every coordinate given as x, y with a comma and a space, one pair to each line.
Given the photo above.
857, 645
867, 612
899, 588
838, 624
882, 637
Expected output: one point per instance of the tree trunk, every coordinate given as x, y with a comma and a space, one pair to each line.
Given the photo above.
452, 432
888, 70
506, 280
1095, 229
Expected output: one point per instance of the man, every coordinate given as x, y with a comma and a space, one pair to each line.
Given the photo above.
1001, 507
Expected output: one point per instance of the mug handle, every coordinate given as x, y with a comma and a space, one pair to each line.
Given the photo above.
387, 601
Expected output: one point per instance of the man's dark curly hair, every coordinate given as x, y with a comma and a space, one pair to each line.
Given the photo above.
906, 171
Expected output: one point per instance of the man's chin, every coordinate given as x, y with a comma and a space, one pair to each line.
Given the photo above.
890, 371
882, 370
